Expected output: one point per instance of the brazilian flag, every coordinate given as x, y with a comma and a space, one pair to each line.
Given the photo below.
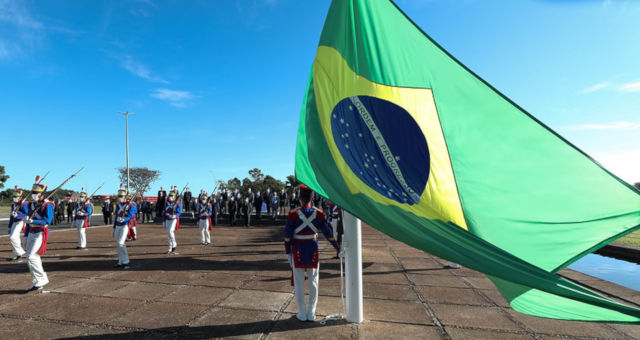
405, 137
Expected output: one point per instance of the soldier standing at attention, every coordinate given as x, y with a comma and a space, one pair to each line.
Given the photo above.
301, 247
81, 221
107, 210
274, 205
171, 219
19, 211
267, 200
70, 210
246, 211
204, 209
215, 209
257, 204
125, 212
37, 235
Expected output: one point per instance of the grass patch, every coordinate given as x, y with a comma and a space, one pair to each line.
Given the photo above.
632, 239
5, 211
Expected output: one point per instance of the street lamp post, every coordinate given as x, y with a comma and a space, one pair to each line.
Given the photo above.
126, 120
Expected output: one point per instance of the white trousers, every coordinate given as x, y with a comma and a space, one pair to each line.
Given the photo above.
334, 227
38, 276
121, 237
305, 311
205, 235
82, 234
15, 238
170, 227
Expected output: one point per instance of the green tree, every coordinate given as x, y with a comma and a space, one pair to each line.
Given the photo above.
234, 183
141, 178
3, 177
292, 181
246, 184
274, 184
256, 174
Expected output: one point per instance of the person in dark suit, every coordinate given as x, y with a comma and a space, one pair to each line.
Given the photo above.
186, 199
246, 211
266, 198
70, 209
107, 211
162, 199
215, 210
283, 201
257, 204
224, 205
233, 209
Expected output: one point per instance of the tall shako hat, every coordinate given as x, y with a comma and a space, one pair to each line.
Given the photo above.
38, 187
174, 191
17, 192
83, 193
122, 192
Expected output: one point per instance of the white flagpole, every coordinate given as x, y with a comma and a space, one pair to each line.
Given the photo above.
352, 243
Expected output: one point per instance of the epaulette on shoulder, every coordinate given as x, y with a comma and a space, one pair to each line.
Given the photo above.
319, 214
293, 214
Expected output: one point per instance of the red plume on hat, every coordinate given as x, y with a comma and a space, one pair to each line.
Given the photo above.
16, 187
120, 185
37, 178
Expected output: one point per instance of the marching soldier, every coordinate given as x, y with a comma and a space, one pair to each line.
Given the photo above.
204, 209
233, 210
257, 204
171, 219
37, 231
283, 201
246, 211
125, 215
82, 219
301, 247
19, 211
107, 210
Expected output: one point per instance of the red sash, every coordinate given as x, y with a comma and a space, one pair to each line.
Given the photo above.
87, 220
178, 223
210, 224
45, 238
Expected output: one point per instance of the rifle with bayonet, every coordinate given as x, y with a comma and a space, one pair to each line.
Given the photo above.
37, 206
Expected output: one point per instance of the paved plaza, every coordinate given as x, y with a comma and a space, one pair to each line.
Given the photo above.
239, 287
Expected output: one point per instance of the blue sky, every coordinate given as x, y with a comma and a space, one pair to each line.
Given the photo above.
217, 85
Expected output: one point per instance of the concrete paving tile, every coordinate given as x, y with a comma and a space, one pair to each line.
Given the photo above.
574, 275
437, 280
159, 315
38, 304
327, 305
95, 309
271, 284
473, 316
380, 268
288, 327
561, 327
396, 311
388, 291
238, 324
143, 291
35, 330
480, 282
174, 276
496, 297
394, 278
475, 334
92, 287
253, 299
463, 296
198, 295
392, 331
630, 330
216, 279
131, 275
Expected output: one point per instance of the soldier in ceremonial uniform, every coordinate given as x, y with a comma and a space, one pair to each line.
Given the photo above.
82, 219
19, 211
171, 219
204, 209
301, 247
125, 215
37, 231
336, 223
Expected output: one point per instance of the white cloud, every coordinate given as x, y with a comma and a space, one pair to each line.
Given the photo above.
606, 126
596, 87
140, 70
624, 164
174, 97
630, 87
21, 31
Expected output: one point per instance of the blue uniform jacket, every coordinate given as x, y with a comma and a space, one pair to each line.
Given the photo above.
127, 215
300, 239
42, 217
85, 208
204, 210
172, 208
23, 210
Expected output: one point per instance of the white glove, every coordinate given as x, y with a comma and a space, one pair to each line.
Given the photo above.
120, 219
174, 217
29, 220
14, 214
